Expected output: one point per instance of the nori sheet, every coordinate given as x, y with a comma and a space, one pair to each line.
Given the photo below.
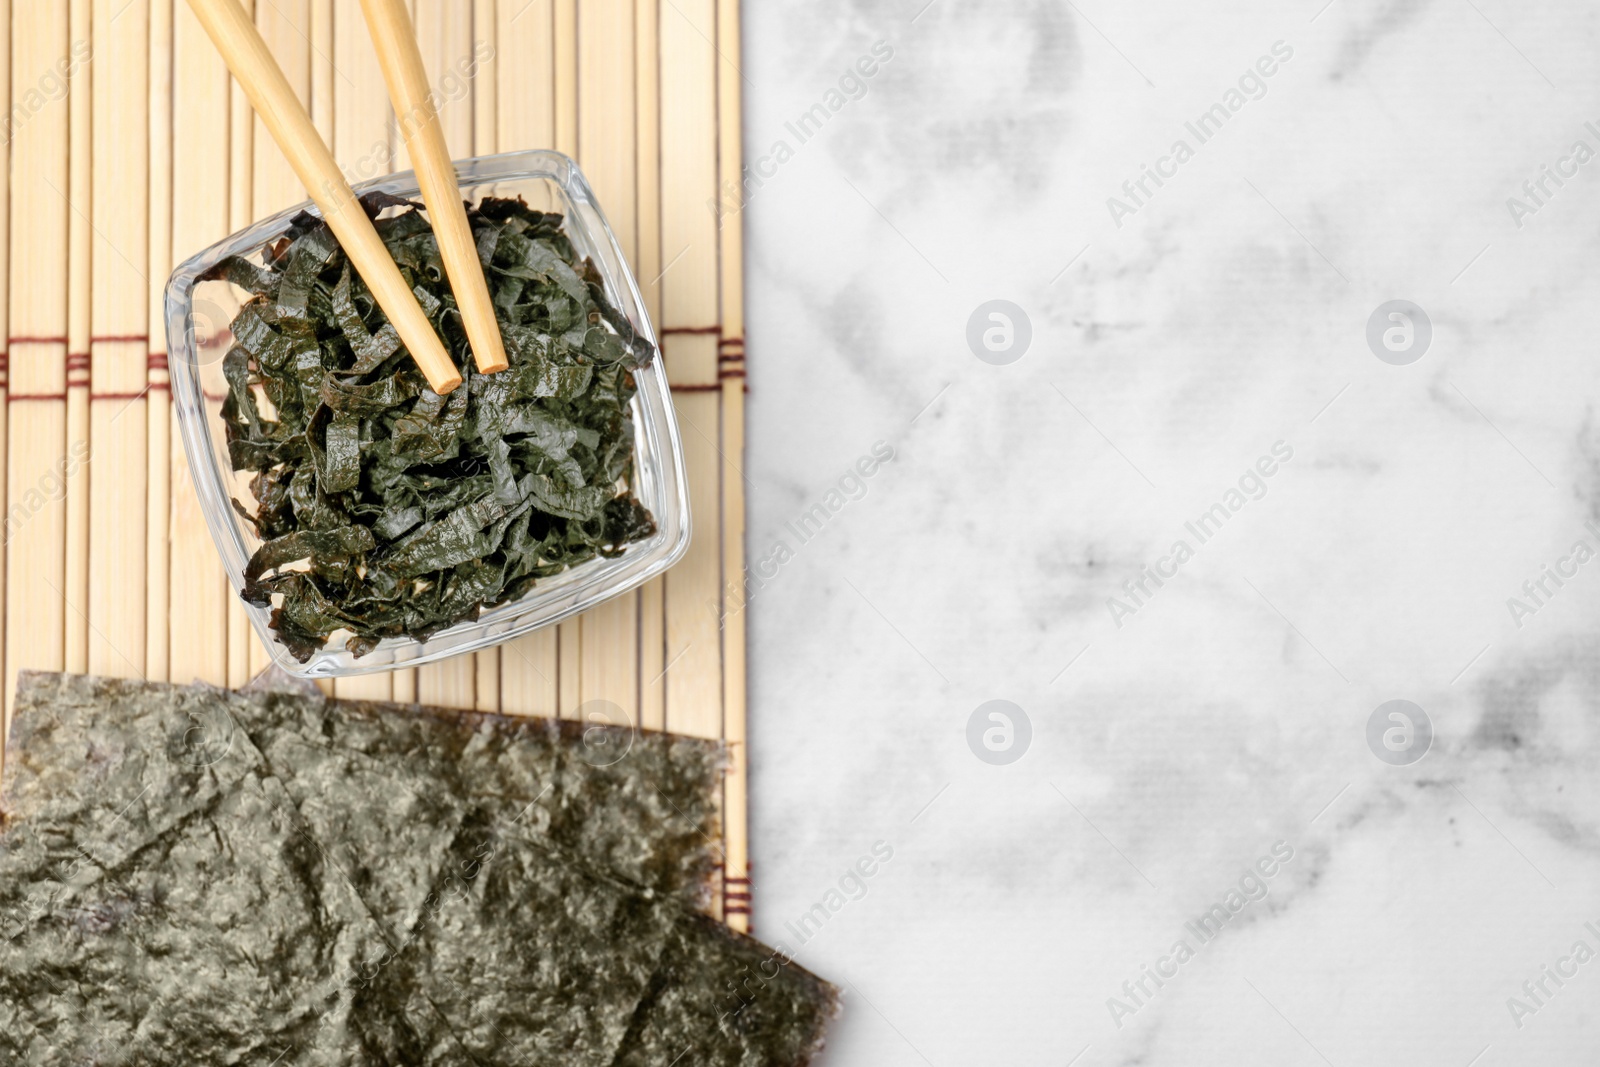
158, 908
195, 875
721, 999
648, 817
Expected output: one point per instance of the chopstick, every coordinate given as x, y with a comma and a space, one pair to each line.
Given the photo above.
285, 118
389, 24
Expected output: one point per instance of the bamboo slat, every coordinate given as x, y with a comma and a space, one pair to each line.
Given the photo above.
79, 259
689, 284
154, 154
119, 344
444, 32
525, 87
361, 100
484, 87
569, 673
689, 243
528, 669
486, 685
566, 76
647, 153
201, 131
323, 71
35, 522
730, 371
158, 391
451, 683
286, 27
693, 588
241, 145
689, 307
652, 655
5, 343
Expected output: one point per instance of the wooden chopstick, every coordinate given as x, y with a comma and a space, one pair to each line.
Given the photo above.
389, 24
285, 118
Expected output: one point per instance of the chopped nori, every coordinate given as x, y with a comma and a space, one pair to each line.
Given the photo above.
196, 875
387, 510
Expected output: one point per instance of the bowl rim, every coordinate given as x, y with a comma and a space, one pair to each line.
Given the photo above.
654, 416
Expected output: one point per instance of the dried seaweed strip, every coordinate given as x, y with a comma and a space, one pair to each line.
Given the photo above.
371, 349
517, 476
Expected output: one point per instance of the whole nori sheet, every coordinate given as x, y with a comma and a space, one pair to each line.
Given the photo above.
196, 875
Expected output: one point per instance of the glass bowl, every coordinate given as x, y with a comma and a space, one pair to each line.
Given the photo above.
198, 314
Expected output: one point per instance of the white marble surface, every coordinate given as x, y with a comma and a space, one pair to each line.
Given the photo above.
1229, 713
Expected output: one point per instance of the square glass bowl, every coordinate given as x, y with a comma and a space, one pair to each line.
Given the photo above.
198, 314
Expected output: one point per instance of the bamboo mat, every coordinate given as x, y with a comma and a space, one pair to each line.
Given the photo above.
128, 149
